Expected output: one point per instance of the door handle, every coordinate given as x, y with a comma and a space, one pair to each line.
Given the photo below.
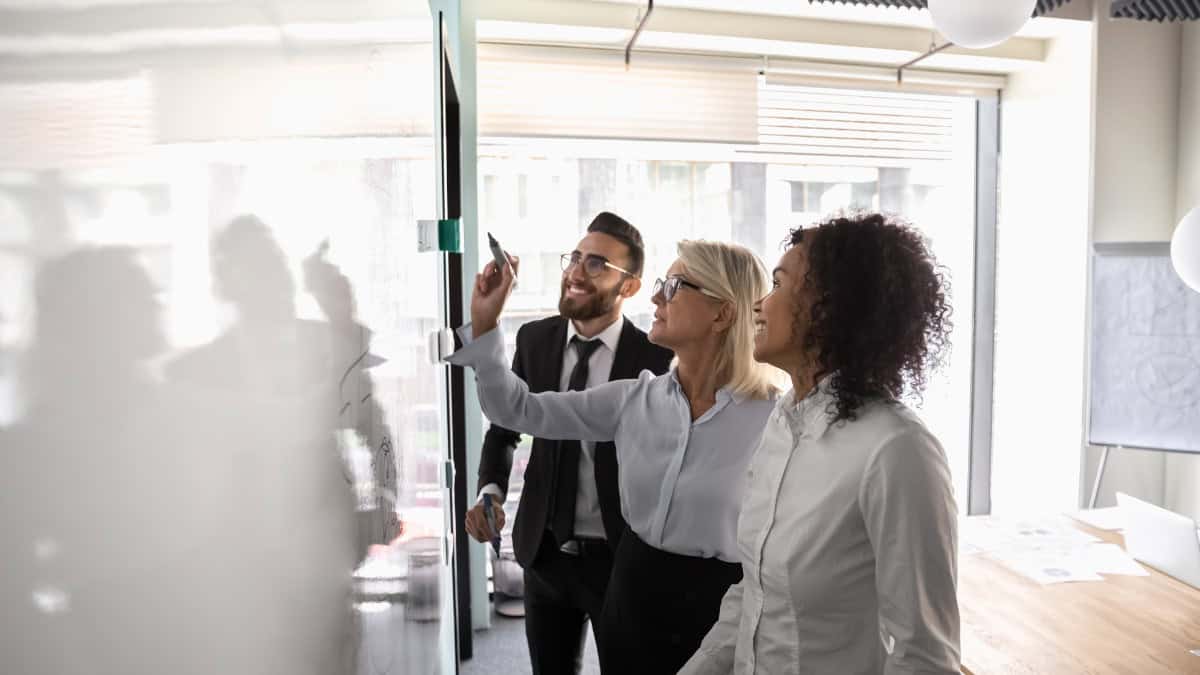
441, 345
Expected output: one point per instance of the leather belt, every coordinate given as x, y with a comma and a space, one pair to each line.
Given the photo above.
586, 548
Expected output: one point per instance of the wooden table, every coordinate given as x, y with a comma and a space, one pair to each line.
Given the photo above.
1126, 625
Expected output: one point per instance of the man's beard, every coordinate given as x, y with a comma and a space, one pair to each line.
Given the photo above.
597, 305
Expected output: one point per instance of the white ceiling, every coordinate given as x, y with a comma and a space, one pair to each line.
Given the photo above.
770, 28
1042, 27
773, 28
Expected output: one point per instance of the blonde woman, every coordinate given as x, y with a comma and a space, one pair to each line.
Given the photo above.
684, 440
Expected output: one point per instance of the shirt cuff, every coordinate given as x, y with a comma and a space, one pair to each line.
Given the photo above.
485, 350
490, 489
465, 333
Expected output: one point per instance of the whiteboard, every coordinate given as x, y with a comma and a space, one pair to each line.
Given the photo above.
216, 409
1144, 388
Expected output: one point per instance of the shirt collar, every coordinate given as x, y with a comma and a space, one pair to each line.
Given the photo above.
809, 417
610, 336
731, 395
724, 396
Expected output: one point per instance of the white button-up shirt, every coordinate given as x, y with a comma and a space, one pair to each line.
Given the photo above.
681, 480
588, 521
848, 541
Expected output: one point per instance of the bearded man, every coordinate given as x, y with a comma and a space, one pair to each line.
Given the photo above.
569, 519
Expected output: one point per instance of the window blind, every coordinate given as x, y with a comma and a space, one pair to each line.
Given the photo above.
73, 124
335, 94
874, 128
588, 93
379, 92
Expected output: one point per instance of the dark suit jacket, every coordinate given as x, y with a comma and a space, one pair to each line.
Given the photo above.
538, 361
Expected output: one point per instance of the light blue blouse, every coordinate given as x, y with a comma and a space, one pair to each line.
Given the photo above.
681, 481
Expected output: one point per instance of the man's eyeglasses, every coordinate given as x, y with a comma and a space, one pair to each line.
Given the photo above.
670, 286
593, 265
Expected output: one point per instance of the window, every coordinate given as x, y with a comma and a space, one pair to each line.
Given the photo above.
909, 155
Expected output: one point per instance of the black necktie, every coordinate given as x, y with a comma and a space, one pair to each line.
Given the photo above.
567, 481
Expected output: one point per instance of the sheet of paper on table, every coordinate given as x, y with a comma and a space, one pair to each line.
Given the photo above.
1049, 569
1046, 550
1112, 559
1000, 535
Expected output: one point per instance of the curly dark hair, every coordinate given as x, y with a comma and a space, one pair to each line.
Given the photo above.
879, 320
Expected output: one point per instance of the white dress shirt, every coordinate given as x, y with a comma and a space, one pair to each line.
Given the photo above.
588, 522
680, 481
848, 541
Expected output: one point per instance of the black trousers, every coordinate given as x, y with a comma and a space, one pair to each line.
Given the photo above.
562, 593
659, 607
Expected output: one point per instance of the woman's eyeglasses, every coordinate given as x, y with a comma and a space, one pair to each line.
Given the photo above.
670, 286
593, 265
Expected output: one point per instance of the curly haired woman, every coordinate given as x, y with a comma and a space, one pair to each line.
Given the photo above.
848, 525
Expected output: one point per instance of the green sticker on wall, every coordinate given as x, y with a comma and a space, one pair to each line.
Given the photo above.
449, 235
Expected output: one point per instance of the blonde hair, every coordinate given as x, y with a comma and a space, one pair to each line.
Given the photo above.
737, 276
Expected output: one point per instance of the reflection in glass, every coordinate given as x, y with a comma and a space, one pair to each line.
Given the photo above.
220, 440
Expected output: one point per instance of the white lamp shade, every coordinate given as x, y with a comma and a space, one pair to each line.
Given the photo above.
976, 24
1185, 249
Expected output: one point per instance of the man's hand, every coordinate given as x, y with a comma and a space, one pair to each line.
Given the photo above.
477, 525
492, 287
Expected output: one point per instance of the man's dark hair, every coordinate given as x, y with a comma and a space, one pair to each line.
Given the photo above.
618, 228
879, 321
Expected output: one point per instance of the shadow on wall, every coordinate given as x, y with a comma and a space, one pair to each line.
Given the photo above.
205, 521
